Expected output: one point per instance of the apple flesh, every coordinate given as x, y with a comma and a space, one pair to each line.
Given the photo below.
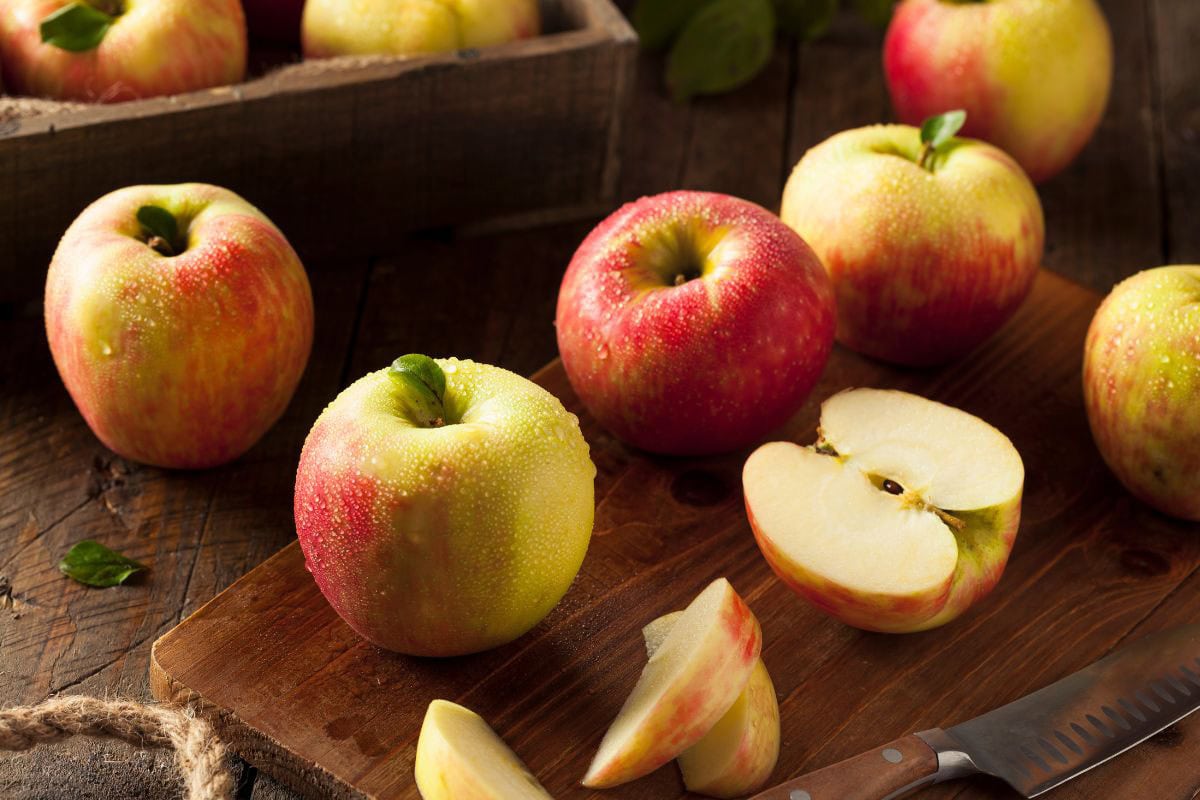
1141, 382
692, 323
413, 27
447, 520
149, 48
459, 757
181, 356
689, 683
898, 519
737, 756
927, 261
1034, 76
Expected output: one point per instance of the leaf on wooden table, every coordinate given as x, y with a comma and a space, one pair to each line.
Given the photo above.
724, 46
93, 564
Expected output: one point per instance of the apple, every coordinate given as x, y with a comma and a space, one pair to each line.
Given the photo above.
1141, 383
689, 683
444, 507
898, 519
276, 20
693, 323
180, 320
932, 241
738, 755
459, 757
1033, 75
109, 51
413, 27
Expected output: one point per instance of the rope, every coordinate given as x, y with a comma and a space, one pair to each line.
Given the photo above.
198, 752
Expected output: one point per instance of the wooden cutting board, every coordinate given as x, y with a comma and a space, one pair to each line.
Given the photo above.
298, 694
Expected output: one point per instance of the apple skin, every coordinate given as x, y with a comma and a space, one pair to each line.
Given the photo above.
926, 265
1033, 75
413, 27
181, 361
1141, 384
276, 20
448, 541
157, 47
713, 364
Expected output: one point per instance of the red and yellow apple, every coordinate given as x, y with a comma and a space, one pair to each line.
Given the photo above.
1033, 75
898, 519
930, 250
1141, 383
694, 323
108, 51
737, 756
687, 686
413, 27
181, 342
459, 757
444, 507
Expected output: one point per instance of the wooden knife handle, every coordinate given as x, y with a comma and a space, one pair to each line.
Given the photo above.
886, 772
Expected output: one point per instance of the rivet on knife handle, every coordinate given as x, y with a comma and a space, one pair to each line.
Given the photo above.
884, 773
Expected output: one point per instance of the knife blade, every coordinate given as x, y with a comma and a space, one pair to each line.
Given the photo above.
1037, 742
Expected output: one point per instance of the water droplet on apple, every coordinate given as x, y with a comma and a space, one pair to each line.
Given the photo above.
602, 352
106, 349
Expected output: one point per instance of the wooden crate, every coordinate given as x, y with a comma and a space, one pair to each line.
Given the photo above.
347, 154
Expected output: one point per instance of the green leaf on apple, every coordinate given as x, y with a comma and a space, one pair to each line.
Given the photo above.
805, 19
658, 22
425, 385
722, 47
876, 12
936, 133
76, 27
93, 564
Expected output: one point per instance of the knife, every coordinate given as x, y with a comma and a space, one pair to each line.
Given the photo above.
1035, 743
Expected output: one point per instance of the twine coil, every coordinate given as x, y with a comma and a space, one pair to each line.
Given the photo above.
199, 754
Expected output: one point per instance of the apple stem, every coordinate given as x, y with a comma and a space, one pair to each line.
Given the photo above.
423, 389
925, 160
161, 245
951, 520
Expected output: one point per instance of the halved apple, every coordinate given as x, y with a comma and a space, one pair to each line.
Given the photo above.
899, 518
737, 756
688, 684
460, 758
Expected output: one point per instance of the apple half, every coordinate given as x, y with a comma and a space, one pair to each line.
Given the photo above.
898, 519
459, 757
689, 683
738, 755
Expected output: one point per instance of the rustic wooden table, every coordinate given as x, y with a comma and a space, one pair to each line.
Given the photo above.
1131, 201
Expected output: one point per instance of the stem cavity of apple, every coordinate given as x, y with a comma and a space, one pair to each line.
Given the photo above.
80, 26
424, 383
936, 133
161, 230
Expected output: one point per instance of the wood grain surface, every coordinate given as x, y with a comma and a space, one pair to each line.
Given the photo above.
1128, 203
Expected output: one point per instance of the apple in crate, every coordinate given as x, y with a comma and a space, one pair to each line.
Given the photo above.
1141, 382
932, 241
106, 51
413, 27
444, 507
1033, 75
689, 683
180, 320
898, 519
459, 757
693, 323
737, 756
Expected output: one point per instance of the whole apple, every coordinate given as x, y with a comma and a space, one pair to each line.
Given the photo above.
444, 507
276, 20
931, 249
1141, 384
413, 27
180, 320
109, 51
1033, 75
692, 322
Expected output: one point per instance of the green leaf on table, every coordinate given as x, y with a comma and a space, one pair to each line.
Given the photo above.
936, 131
76, 27
657, 22
725, 45
94, 564
876, 12
805, 19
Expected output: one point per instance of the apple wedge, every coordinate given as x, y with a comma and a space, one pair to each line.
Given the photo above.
692, 679
899, 518
737, 756
460, 758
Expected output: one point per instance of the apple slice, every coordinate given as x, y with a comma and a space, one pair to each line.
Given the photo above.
900, 517
738, 755
693, 678
460, 758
